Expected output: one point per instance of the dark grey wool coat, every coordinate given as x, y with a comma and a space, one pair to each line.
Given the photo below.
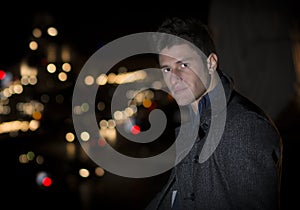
244, 170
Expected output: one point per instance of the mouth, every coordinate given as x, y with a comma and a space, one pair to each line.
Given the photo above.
178, 90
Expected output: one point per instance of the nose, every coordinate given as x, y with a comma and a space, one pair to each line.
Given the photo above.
175, 76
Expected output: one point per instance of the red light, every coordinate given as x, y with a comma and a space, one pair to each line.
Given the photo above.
135, 129
43, 179
47, 181
2, 74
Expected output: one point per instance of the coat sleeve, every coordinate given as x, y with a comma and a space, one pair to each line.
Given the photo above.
160, 200
252, 159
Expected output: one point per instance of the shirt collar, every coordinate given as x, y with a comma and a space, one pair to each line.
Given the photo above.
203, 104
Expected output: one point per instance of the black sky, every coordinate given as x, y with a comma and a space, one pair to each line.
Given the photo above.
85, 26
89, 25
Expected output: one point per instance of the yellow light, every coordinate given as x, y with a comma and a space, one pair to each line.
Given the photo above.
37, 115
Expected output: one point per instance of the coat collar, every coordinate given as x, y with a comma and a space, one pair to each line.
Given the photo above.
225, 86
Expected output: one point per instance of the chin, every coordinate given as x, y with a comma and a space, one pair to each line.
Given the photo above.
184, 101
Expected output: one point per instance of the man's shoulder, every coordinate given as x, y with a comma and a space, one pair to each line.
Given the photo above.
242, 109
239, 104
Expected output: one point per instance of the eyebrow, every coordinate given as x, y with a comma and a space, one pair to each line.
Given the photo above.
179, 61
164, 66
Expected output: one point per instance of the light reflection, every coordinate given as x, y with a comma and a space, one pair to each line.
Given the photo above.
33, 45
70, 137
17, 125
89, 80
71, 150
37, 33
99, 171
83, 172
52, 31
85, 136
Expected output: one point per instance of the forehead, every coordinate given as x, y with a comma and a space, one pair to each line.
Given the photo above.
178, 52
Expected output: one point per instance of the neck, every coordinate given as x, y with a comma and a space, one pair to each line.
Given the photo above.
195, 105
214, 79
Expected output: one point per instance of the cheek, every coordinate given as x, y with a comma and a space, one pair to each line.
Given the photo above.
199, 79
192, 79
197, 86
167, 80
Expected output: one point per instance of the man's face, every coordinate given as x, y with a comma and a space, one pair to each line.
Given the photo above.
184, 73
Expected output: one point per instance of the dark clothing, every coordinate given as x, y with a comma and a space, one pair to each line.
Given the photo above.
243, 172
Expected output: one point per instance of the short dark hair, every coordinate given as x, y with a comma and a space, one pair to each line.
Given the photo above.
190, 29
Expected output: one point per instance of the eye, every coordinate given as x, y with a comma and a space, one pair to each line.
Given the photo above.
166, 69
184, 65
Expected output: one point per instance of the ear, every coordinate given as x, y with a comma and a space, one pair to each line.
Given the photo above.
212, 63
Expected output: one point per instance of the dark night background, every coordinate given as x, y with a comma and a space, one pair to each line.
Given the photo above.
272, 80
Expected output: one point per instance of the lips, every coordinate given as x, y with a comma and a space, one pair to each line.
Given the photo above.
178, 90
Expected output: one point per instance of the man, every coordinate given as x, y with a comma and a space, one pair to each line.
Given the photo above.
235, 160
